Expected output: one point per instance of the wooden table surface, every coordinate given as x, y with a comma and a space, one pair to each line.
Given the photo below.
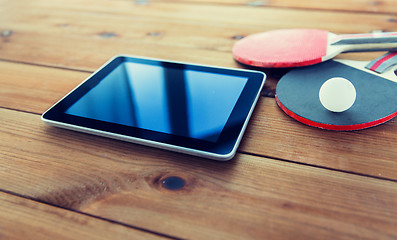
287, 181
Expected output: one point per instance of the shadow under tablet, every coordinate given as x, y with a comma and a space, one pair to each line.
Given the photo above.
297, 94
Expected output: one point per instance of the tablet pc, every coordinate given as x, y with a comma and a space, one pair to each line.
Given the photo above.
189, 108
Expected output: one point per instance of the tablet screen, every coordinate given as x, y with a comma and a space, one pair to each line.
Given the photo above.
176, 101
190, 108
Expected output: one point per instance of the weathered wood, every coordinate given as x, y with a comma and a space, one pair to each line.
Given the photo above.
248, 197
33, 88
21, 218
325, 185
270, 132
93, 31
371, 151
383, 6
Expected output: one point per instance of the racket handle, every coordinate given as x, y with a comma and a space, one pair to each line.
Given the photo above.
366, 42
383, 63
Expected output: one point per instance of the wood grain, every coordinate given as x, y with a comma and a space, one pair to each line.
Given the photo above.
270, 133
122, 182
92, 33
383, 6
288, 180
370, 151
21, 218
35, 88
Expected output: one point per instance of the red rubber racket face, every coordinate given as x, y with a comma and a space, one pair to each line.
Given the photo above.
282, 48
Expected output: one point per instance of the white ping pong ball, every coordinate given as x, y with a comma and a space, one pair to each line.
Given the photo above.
337, 94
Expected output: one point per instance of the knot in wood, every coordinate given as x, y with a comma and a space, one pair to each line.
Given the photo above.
173, 183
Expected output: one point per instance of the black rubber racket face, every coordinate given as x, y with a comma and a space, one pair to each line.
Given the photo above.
297, 94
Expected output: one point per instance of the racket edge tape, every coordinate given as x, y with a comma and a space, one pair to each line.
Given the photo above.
353, 127
284, 48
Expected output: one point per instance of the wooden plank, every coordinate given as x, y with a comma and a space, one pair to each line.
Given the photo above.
370, 151
270, 132
383, 6
21, 218
92, 33
33, 88
246, 198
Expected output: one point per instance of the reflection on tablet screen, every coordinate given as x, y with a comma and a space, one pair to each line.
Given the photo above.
176, 101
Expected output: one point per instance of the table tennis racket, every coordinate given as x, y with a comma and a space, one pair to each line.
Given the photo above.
297, 93
301, 47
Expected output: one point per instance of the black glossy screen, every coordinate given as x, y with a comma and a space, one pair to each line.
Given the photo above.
177, 101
